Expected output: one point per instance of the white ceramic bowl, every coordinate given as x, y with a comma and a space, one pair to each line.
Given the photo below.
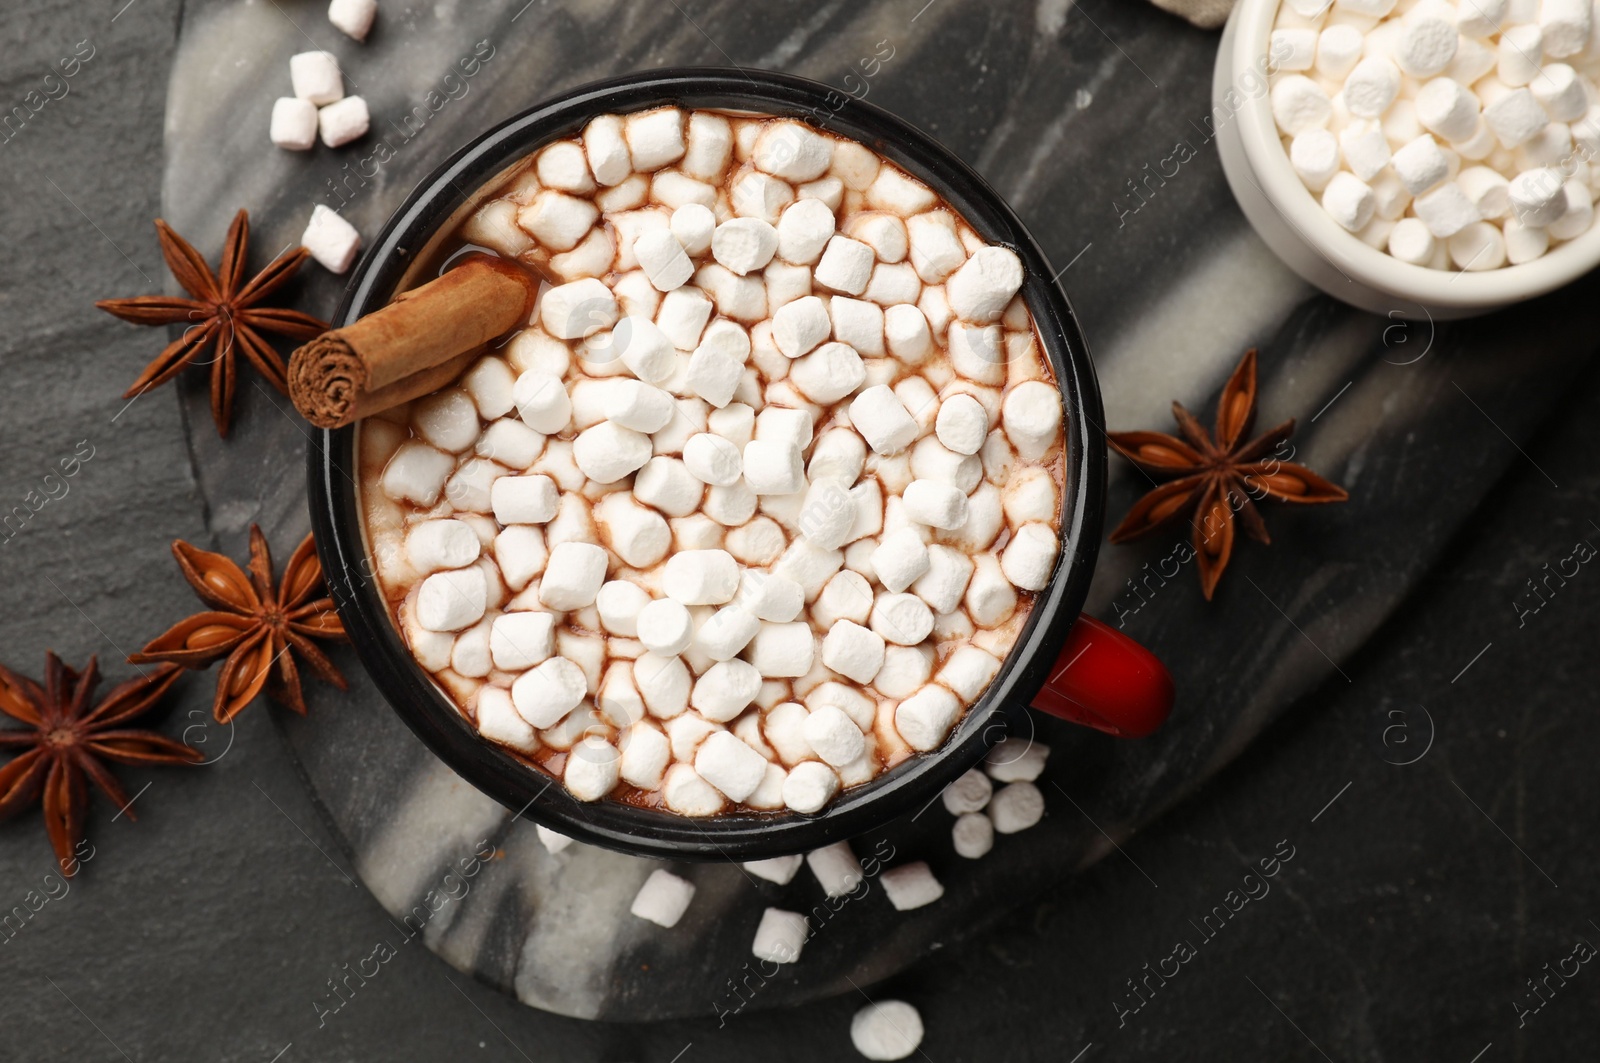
1291, 221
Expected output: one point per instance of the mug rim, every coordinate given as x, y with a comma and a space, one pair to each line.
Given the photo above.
333, 490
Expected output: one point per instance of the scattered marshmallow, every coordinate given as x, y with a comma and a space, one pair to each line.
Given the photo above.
886, 1029
1016, 807
972, 836
343, 121
294, 123
353, 18
663, 898
331, 240
911, 886
316, 77
780, 937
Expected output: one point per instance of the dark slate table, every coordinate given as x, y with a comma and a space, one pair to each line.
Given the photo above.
1428, 767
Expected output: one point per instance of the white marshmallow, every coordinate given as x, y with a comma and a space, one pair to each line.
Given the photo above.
804, 231
1368, 91
1447, 108
1030, 557
450, 601
712, 459
846, 596
1016, 807
591, 769
782, 651
809, 786
911, 886
903, 619
779, 870
1524, 243
520, 553
294, 123
773, 468
1349, 201
1299, 104
900, 560
1016, 760
833, 735
332, 241
730, 765
343, 121
1515, 117
972, 835
990, 599
1579, 214
744, 244
685, 793
663, 260
710, 146
664, 684
316, 78
639, 406
846, 265
655, 138
1565, 26
893, 191
665, 627
1560, 92
799, 326
1293, 49
1479, 246
1420, 164
573, 311
644, 349
1338, 51
725, 690
935, 504
1488, 190
546, 694
836, 869
759, 195
827, 514
498, 721
607, 150
432, 545
977, 352
619, 604
608, 452
518, 641
1480, 18
701, 577
726, 633
857, 323
906, 332
853, 651
883, 420
985, 283
1446, 210
925, 718
1427, 45
946, 579
792, 151
781, 935
962, 424
969, 793
1410, 241
663, 898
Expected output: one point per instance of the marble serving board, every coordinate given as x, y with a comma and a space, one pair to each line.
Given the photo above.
1093, 122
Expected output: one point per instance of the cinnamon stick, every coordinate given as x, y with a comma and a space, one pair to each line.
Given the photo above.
417, 344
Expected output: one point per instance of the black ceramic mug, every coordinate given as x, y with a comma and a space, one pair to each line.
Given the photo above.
1061, 663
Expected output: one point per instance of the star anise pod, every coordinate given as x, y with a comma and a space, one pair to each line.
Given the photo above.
67, 739
222, 318
257, 628
1219, 478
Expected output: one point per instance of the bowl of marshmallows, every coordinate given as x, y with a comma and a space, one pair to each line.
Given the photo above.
1416, 158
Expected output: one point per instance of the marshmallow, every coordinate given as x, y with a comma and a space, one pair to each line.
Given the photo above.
744, 244
910, 886
607, 150
836, 869
712, 459
1293, 49
665, 627
1560, 92
685, 793
664, 684
773, 468
1480, 18
544, 695
573, 311
1479, 246
1298, 104
294, 123
804, 231
976, 352
857, 323
1349, 201
663, 260
759, 195
1537, 198
608, 452
1515, 117
799, 326
717, 364
809, 786
663, 898
353, 18
963, 424
498, 721
655, 138
332, 241
573, 575
935, 250
1427, 45
710, 146
1523, 243
925, 718
827, 514
990, 599
883, 420
972, 835
619, 604
935, 504
893, 191
726, 632
792, 151
725, 690
1579, 214
1446, 210
343, 121
644, 349
1338, 51
432, 545
1447, 108
969, 793
316, 78
521, 555
946, 579
903, 619
853, 651
833, 735
779, 424
887, 1030
518, 641
1565, 26
592, 769
1487, 189
985, 283
1368, 91
701, 577
1016, 760
782, 651
1420, 165
1030, 557
450, 601
846, 265
730, 765
1410, 241
667, 484
900, 560
907, 335
781, 935
779, 870
1016, 807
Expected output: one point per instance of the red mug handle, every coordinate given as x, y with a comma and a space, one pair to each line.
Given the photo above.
1105, 680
